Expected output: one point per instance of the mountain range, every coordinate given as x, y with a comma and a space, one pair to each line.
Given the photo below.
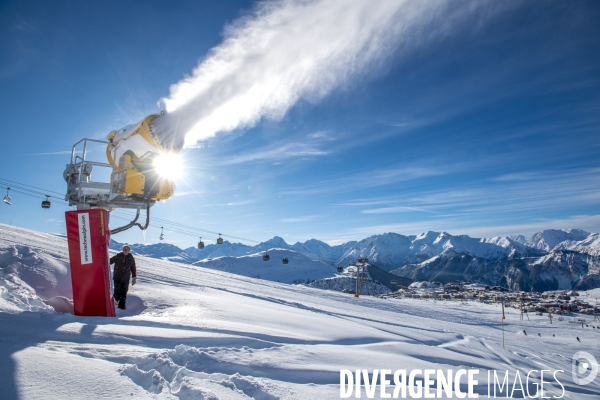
548, 260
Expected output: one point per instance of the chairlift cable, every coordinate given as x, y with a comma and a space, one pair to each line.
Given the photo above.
41, 193
34, 187
37, 195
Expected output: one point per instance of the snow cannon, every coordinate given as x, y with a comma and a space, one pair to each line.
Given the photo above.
142, 161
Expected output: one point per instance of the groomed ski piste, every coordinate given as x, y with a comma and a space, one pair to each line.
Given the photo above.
196, 333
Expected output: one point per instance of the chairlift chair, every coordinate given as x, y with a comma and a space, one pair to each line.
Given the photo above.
340, 269
220, 239
266, 257
285, 260
200, 243
6, 198
162, 235
46, 203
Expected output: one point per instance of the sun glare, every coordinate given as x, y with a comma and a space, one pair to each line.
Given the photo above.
168, 165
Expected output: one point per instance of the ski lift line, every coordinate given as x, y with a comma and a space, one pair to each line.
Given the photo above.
15, 183
42, 195
204, 230
54, 201
201, 230
181, 232
17, 188
170, 229
37, 196
23, 188
34, 187
62, 203
188, 227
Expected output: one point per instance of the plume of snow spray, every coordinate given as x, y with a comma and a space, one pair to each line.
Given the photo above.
292, 49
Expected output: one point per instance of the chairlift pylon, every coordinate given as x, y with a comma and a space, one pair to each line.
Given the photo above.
266, 257
162, 236
200, 243
220, 239
6, 198
46, 203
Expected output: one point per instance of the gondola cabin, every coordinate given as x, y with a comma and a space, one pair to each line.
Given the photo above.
46, 203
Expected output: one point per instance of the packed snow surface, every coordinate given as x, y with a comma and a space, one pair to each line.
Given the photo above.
193, 332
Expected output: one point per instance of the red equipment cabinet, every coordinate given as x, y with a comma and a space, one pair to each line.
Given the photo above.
88, 236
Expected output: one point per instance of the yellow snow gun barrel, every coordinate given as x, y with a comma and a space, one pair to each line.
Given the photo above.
141, 156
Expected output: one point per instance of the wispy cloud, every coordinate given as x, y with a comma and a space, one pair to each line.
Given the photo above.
456, 226
322, 136
532, 191
590, 223
298, 219
24, 26
275, 153
242, 202
520, 176
367, 179
491, 209
396, 209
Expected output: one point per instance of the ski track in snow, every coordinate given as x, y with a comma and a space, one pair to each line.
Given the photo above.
191, 332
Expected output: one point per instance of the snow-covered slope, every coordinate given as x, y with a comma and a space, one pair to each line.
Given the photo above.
515, 246
567, 269
313, 249
554, 271
227, 249
386, 251
190, 332
391, 250
165, 251
275, 243
590, 245
299, 268
318, 250
550, 238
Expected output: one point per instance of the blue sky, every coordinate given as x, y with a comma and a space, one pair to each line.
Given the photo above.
473, 119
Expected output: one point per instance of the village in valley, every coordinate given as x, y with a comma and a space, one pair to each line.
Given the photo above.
558, 302
579, 307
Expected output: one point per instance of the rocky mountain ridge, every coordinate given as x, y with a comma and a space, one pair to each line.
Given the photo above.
551, 259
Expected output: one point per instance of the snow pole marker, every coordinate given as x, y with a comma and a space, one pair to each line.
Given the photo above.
503, 323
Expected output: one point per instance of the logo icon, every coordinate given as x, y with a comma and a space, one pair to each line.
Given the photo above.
583, 363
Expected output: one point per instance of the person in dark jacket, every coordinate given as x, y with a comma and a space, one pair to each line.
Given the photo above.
124, 270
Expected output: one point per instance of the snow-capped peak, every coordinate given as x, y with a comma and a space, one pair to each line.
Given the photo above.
548, 239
